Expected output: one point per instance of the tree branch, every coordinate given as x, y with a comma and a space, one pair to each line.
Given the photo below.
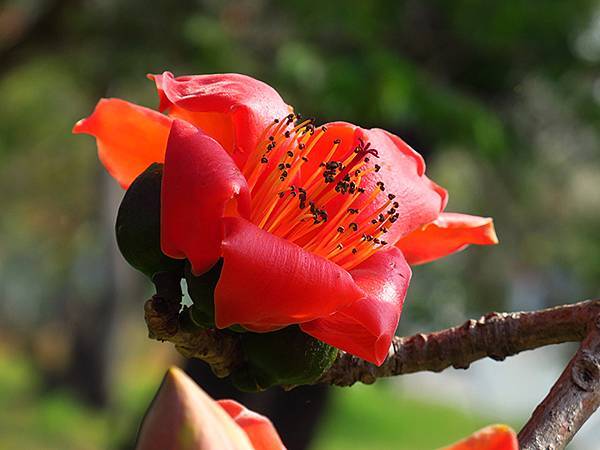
571, 401
495, 335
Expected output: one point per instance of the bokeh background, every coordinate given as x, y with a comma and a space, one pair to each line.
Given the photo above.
502, 98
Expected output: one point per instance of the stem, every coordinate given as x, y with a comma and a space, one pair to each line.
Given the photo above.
571, 401
218, 348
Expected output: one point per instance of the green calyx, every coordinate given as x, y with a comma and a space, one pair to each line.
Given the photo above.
287, 357
138, 225
201, 290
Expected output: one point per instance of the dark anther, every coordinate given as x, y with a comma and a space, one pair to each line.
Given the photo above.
264, 160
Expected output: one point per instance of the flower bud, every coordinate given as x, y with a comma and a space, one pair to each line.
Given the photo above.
138, 225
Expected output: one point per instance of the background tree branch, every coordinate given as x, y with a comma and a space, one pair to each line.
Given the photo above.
571, 401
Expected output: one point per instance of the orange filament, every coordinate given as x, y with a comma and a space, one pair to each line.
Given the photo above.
305, 208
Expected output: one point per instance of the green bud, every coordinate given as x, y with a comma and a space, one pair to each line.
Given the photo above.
138, 225
287, 357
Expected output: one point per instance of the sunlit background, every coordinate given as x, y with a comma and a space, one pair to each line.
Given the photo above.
501, 97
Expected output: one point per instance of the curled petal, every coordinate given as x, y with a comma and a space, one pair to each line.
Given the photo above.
366, 328
200, 181
129, 137
182, 417
232, 108
494, 437
449, 233
267, 282
258, 428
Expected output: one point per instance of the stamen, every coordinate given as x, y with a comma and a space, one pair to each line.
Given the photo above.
305, 207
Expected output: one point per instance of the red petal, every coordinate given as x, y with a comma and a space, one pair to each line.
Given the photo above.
260, 430
267, 281
449, 233
129, 137
402, 171
366, 328
494, 437
200, 179
234, 109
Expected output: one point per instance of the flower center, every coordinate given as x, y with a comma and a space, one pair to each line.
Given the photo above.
317, 191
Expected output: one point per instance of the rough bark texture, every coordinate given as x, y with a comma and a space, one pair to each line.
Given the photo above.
219, 349
570, 402
495, 335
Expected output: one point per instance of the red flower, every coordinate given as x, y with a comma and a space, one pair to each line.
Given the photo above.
494, 437
315, 225
182, 416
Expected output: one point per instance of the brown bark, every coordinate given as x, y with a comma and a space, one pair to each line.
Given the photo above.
495, 335
218, 348
571, 401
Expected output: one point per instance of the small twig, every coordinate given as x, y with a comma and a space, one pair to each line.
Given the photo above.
571, 401
219, 349
495, 335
